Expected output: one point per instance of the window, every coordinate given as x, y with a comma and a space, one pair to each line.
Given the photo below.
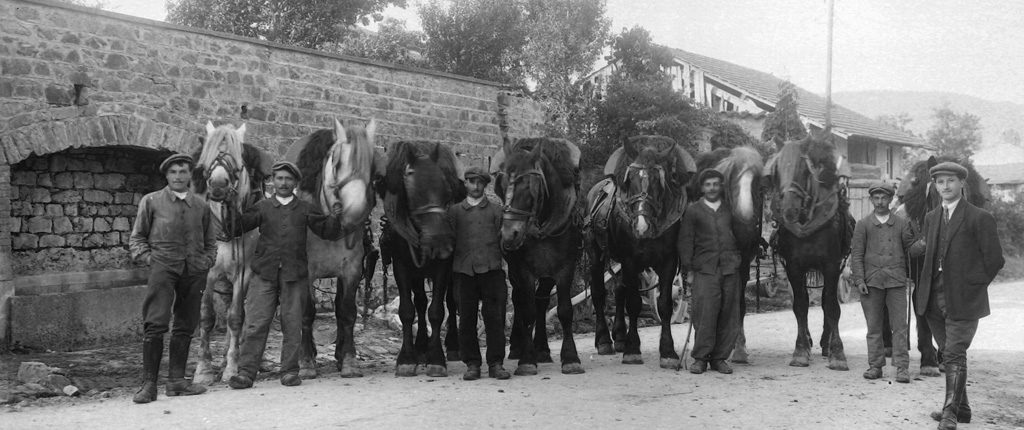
889, 160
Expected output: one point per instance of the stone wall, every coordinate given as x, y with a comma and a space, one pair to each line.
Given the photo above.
74, 210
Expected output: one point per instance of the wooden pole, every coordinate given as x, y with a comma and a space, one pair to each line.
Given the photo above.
828, 77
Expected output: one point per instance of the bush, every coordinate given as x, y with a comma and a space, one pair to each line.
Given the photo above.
1010, 223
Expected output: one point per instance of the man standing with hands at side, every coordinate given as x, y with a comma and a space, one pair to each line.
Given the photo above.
708, 248
878, 263
175, 234
961, 257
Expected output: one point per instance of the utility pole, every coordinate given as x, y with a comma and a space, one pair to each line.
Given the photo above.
828, 77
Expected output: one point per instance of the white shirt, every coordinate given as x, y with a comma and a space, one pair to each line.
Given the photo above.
714, 206
950, 207
474, 202
284, 200
884, 219
181, 195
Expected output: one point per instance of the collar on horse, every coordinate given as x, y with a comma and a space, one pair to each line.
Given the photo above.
818, 203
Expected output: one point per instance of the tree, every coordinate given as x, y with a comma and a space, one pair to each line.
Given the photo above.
307, 23
564, 38
479, 38
955, 134
783, 124
392, 43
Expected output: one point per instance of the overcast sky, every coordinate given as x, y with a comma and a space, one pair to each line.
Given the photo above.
971, 47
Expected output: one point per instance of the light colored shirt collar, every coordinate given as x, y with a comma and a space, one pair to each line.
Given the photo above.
284, 200
883, 219
181, 196
951, 207
474, 202
714, 206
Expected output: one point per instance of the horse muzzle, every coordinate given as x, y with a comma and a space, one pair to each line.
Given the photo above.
513, 235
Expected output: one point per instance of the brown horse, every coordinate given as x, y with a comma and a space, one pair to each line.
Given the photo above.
541, 237
227, 172
633, 219
337, 167
814, 235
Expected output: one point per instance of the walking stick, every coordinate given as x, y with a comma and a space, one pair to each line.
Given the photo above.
689, 329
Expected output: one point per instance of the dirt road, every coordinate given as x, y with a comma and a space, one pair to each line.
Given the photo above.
767, 394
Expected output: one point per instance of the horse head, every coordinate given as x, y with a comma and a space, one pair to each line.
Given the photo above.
523, 187
348, 169
656, 170
422, 182
220, 169
804, 173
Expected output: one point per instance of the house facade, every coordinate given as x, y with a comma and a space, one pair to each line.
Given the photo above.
744, 96
1005, 181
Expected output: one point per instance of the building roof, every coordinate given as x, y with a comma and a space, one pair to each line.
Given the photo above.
1002, 174
765, 88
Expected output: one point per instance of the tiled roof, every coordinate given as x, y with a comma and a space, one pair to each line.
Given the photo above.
765, 86
1002, 174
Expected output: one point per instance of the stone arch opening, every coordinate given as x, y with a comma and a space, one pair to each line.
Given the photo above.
73, 210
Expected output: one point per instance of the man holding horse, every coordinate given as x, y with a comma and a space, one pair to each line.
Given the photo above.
962, 256
281, 269
479, 276
707, 248
879, 269
175, 234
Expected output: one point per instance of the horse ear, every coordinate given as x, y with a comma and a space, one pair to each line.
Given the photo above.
241, 132
436, 153
630, 148
210, 128
536, 151
339, 132
932, 161
371, 130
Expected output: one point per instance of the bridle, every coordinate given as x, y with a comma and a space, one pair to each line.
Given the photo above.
514, 214
645, 203
229, 164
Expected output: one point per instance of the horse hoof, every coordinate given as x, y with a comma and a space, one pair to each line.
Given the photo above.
437, 371
209, 377
605, 349
620, 346
514, 355
526, 370
405, 370
453, 356
799, 361
930, 371
308, 373
838, 365
669, 363
572, 369
544, 357
632, 359
740, 357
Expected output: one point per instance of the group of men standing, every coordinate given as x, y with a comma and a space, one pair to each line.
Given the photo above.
175, 233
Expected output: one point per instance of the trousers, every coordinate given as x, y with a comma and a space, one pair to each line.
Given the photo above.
171, 293
953, 336
490, 290
716, 315
261, 301
874, 304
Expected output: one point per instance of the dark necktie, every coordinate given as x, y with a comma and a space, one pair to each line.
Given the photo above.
945, 214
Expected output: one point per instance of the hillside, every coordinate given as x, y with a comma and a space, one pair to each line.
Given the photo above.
996, 117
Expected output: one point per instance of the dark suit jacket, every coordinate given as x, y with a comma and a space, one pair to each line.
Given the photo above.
972, 259
706, 242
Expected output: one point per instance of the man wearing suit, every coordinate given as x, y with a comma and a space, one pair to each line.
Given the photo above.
962, 256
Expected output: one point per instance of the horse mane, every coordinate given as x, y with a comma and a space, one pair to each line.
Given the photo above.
312, 158
822, 154
557, 153
916, 201
706, 160
209, 150
675, 164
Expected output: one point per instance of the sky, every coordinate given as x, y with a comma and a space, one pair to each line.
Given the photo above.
969, 47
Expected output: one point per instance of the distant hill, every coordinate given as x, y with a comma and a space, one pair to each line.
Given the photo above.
996, 117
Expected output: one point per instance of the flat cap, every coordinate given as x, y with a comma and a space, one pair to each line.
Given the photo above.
881, 187
176, 159
289, 167
478, 173
948, 168
709, 173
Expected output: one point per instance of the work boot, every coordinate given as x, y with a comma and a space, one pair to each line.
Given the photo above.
240, 382
152, 353
956, 386
902, 375
291, 380
497, 371
472, 372
177, 385
873, 373
698, 367
963, 416
721, 366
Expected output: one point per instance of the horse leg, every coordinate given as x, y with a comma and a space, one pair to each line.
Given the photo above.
886, 331
204, 373
236, 317
522, 302
599, 296
633, 302
437, 365
345, 314
929, 353
540, 335
739, 352
405, 364
451, 337
801, 301
515, 350
307, 345
420, 295
830, 305
668, 359
570, 358
619, 324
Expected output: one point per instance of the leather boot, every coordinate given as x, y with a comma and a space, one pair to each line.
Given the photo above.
177, 358
963, 416
152, 353
956, 385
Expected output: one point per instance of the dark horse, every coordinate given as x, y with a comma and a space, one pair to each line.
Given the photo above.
814, 235
634, 219
420, 184
917, 196
743, 169
541, 237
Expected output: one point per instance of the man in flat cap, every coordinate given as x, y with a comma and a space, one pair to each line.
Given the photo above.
281, 269
708, 253
878, 261
961, 257
478, 276
175, 234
